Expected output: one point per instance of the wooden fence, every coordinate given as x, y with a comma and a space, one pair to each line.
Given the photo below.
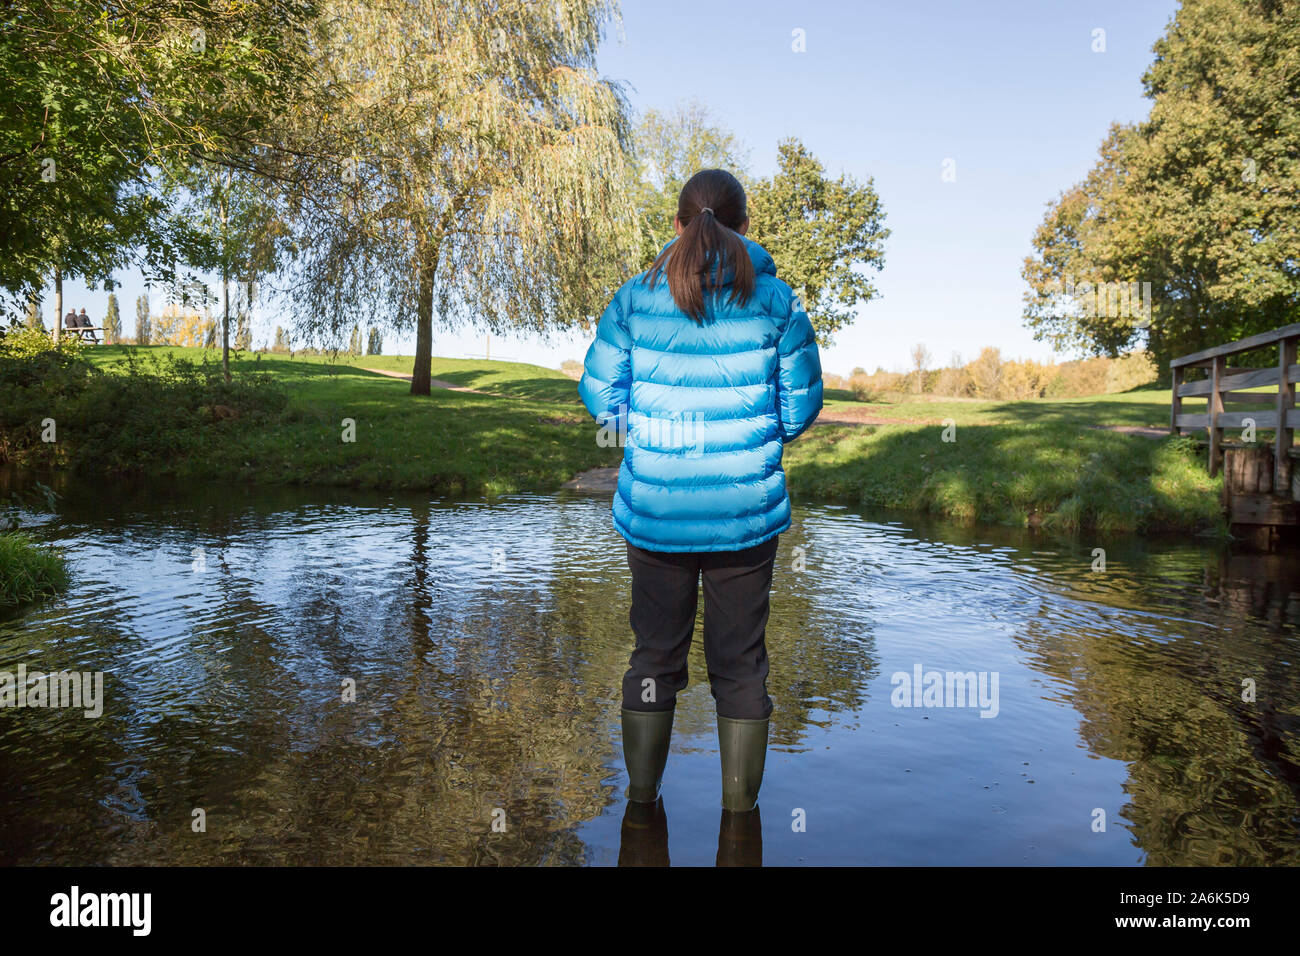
1224, 384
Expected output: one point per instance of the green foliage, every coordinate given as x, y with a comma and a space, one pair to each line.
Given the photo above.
529, 431
27, 342
143, 331
825, 235
374, 342
103, 101
28, 572
112, 321
671, 147
134, 417
460, 160
1202, 199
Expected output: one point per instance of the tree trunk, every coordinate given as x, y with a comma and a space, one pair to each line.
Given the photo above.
225, 326
422, 373
58, 304
225, 281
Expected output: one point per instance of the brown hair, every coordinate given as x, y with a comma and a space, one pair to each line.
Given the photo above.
711, 208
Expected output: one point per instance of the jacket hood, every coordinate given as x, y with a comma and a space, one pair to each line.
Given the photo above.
757, 254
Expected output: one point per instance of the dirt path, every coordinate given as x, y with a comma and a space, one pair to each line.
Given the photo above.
1145, 432
596, 480
435, 382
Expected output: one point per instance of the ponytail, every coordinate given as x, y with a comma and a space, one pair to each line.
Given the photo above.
711, 208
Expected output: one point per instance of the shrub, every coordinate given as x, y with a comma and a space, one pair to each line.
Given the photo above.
26, 342
28, 571
140, 413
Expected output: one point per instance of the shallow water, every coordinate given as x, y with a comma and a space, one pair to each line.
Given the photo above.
487, 641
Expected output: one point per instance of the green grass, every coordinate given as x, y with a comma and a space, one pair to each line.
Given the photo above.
1147, 407
1042, 462
505, 379
528, 433
28, 572
1056, 475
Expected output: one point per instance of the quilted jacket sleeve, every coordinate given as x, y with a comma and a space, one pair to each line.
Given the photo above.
799, 382
607, 372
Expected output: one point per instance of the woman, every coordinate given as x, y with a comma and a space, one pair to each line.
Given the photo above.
709, 365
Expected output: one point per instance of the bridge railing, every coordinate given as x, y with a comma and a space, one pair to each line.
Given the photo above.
1225, 383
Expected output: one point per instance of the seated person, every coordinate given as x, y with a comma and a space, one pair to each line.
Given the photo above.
87, 327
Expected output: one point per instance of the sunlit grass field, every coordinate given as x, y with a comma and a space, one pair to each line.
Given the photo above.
524, 435
1040, 462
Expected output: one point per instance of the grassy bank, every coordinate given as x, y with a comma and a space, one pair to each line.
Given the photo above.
1041, 462
299, 420
28, 572
1047, 462
1053, 475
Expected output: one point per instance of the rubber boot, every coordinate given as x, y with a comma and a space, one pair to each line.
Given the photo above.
645, 751
743, 745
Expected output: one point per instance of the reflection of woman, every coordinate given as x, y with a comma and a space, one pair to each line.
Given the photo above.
710, 371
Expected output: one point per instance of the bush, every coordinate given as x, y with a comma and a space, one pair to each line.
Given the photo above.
28, 572
124, 420
26, 342
879, 386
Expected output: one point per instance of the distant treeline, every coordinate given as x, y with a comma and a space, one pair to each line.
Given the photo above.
992, 377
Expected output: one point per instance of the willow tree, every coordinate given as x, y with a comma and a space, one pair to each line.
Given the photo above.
463, 159
671, 147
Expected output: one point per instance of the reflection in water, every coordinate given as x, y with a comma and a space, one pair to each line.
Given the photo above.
644, 838
486, 642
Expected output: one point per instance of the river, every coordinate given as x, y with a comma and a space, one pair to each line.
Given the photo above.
340, 677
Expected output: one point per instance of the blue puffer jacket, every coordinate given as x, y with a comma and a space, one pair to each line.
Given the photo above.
705, 409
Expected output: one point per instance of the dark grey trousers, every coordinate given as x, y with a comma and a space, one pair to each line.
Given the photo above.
665, 591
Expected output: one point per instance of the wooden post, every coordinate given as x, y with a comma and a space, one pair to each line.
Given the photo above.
1286, 356
1217, 372
1176, 403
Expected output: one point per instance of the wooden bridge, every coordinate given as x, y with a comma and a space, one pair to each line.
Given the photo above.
1258, 482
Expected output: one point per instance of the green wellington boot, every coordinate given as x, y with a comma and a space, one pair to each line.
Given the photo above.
645, 751
743, 744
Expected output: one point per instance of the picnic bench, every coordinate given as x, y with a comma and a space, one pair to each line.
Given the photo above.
84, 332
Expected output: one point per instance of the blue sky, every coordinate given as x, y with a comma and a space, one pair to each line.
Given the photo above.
1010, 90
